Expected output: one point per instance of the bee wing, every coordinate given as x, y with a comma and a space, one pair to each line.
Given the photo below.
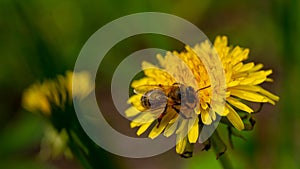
145, 88
149, 115
157, 110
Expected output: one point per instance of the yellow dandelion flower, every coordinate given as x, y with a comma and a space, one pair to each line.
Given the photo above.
43, 97
34, 99
177, 93
53, 99
51, 94
54, 144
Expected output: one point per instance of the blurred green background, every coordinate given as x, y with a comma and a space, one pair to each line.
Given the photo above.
40, 39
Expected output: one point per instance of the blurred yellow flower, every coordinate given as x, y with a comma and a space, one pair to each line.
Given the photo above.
54, 144
53, 99
84, 87
186, 69
35, 99
43, 97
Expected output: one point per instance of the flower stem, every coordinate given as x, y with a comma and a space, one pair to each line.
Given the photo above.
220, 149
225, 161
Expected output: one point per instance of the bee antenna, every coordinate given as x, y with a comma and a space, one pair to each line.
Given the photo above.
203, 88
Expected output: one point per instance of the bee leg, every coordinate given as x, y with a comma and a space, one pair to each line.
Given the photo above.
159, 120
176, 83
161, 116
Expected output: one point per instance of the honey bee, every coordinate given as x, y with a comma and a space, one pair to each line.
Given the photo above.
179, 97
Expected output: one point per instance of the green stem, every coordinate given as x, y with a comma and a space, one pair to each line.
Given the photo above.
77, 152
225, 161
220, 149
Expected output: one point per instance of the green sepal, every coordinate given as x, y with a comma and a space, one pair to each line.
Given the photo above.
188, 150
218, 144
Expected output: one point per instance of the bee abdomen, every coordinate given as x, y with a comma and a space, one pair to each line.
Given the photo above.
145, 102
154, 99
